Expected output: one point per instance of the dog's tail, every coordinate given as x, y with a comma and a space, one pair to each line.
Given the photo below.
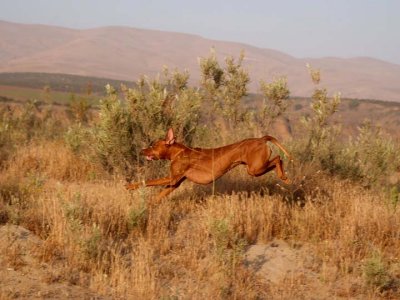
273, 140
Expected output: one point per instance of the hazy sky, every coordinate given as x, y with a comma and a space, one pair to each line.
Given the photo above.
302, 28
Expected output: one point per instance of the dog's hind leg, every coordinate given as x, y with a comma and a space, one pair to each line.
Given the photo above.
275, 163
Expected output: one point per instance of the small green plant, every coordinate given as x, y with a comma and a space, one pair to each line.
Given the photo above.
73, 212
394, 197
376, 273
29, 121
79, 107
220, 231
91, 246
228, 246
77, 137
137, 217
315, 74
73, 209
47, 95
35, 182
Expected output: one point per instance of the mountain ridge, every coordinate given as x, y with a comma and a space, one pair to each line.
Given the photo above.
125, 53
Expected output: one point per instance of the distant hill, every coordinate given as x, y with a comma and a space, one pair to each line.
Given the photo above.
125, 53
60, 82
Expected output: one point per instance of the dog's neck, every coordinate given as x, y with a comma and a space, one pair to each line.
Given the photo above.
175, 150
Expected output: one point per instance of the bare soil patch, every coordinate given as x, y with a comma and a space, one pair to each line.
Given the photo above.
23, 276
282, 264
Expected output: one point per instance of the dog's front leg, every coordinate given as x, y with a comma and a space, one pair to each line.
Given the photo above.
133, 186
170, 181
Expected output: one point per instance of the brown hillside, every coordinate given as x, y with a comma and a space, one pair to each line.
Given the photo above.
126, 53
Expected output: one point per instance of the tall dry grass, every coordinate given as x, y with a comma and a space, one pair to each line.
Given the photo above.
191, 246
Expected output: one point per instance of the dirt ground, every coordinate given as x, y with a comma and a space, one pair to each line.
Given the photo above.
23, 276
282, 264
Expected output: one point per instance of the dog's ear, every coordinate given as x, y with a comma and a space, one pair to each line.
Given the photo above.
169, 138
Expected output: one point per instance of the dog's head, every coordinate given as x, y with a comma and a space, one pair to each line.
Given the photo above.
160, 149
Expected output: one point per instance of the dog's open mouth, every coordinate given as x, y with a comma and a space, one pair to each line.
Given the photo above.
149, 157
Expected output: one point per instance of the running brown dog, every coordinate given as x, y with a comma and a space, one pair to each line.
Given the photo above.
204, 166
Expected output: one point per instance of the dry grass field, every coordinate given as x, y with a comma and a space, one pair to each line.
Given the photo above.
69, 228
84, 237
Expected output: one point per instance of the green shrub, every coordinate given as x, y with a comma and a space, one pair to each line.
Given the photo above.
158, 104
114, 140
222, 90
149, 109
318, 125
376, 153
275, 95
